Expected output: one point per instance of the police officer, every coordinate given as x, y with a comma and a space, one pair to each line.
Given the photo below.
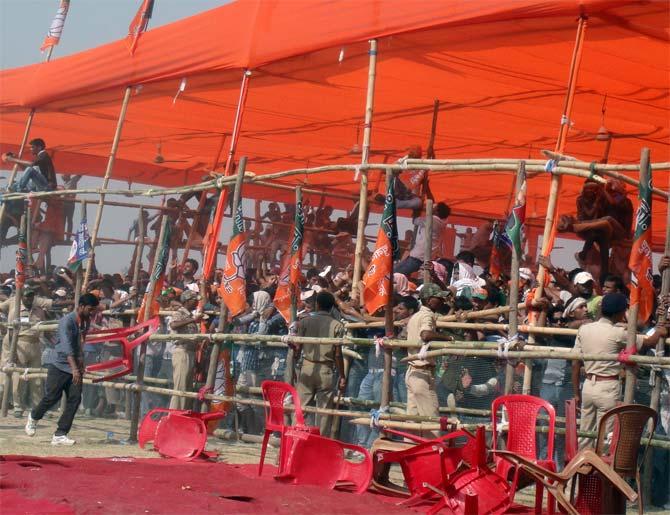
184, 321
421, 330
316, 378
601, 389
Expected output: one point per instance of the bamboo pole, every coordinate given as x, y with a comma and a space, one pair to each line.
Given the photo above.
137, 265
363, 196
512, 331
223, 309
387, 379
14, 338
629, 391
108, 173
134, 421
428, 240
560, 145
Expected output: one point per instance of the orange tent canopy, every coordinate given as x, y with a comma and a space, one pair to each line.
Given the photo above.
498, 67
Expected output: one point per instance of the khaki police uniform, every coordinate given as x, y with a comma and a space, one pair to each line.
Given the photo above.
602, 388
316, 377
420, 376
28, 349
183, 359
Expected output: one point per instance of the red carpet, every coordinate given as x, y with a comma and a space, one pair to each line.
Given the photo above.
30, 484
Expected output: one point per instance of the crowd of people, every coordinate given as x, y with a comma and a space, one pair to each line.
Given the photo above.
590, 299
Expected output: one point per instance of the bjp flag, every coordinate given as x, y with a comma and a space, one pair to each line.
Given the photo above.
289, 278
233, 289
640, 264
57, 24
377, 281
139, 24
157, 277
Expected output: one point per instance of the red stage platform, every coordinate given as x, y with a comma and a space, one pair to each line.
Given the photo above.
31, 484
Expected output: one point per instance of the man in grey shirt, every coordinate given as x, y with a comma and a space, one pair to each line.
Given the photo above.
66, 371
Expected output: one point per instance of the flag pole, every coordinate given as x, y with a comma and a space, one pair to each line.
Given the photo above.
428, 241
223, 309
389, 329
137, 264
17, 321
363, 196
629, 390
513, 319
560, 147
137, 395
108, 173
289, 372
78, 277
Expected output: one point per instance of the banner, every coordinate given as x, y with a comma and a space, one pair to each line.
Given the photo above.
157, 277
139, 24
377, 280
495, 262
56, 28
640, 263
21, 261
289, 278
233, 289
81, 247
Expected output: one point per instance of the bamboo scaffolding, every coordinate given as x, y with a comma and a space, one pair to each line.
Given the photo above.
387, 379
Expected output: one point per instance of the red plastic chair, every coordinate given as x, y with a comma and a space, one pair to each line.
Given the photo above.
275, 394
570, 430
430, 462
122, 335
312, 459
522, 412
147, 431
183, 435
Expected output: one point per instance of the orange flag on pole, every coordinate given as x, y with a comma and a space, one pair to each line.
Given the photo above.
377, 279
139, 24
233, 289
289, 278
158, 276
56, 28
640, 263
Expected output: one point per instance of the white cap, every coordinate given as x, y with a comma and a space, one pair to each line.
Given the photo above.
61, 292
525, 274
306, 294
193, 287
582, 278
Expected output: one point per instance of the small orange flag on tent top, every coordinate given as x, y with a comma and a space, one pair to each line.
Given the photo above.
377, 280
233, 289
139, 24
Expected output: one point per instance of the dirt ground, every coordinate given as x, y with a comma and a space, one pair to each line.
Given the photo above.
102, 437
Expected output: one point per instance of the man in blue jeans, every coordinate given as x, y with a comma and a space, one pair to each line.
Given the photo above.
66, 371
39, 175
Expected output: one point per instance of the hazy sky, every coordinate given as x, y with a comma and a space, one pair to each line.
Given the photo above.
90, 23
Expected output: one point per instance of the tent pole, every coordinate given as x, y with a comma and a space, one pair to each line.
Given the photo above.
137, 263
363, 196
560, 146
137, 399
631, 346
108, 173
513, 319
428, 241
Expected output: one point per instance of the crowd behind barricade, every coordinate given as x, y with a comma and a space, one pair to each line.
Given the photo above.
582, 298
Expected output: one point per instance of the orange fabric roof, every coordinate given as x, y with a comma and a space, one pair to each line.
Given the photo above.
499, 68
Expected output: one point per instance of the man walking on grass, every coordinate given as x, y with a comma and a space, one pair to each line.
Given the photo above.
65, 373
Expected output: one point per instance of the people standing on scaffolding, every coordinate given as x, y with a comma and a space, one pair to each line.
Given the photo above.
39, 174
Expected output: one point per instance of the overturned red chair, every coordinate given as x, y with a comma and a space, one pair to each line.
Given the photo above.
275, 394
129, 338
176, 433
311, 459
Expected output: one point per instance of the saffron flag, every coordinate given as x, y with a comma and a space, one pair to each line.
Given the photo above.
157, 277
56, 28
139, 24
495, 262
289, 278
233, 289
21, 260
81, 246
516, 220
377, 285
640, 264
